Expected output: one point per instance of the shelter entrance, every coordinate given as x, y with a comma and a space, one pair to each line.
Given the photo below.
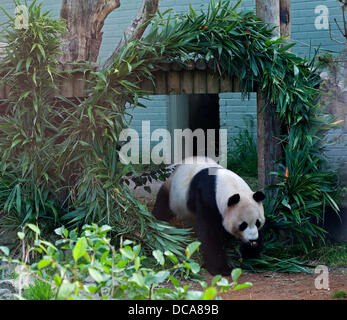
199, 113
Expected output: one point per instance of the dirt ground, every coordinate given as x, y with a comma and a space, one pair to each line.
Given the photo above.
286, 286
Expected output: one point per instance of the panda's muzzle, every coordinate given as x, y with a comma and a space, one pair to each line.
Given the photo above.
253, 243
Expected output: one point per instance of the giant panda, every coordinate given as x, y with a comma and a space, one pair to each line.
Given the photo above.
222, 205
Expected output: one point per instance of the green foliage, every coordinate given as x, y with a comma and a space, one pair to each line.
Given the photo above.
339, 294
331, 255
60, 162
39, 290
242, 153
89, 267
29, 122
299, 200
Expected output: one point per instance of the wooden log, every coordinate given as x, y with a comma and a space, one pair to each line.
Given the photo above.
160, 82
236, 84
212, 83
147, 85
226, 84
211, 64
173, 83
190, 65
201, 64
176, 66
200, 82
187, 82
164, 66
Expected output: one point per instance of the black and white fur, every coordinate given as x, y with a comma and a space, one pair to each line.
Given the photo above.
221, 203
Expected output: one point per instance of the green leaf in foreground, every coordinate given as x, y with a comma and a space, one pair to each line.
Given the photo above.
158, 255
80, 248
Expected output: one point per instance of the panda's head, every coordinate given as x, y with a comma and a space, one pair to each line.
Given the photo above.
244, 216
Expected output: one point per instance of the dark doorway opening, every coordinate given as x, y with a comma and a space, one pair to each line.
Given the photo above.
204, 114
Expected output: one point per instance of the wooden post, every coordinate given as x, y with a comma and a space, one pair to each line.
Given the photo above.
285, 19
269, 10
268, 147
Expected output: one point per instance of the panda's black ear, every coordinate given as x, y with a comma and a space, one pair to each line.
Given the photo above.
258, 196
233, 200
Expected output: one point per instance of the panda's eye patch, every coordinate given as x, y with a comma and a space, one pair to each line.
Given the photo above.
243, 226
257, 224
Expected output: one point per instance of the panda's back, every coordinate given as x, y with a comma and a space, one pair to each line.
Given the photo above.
181, 181
218, 186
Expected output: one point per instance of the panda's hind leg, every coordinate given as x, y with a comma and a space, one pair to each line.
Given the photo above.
161, 209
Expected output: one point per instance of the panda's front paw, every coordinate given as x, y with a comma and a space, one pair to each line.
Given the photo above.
222, 270
250, 251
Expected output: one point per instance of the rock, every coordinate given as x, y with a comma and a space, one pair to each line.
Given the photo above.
7, 290
5, 270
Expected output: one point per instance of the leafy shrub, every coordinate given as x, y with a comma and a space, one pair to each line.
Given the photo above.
29, 123
242, 153
339, 294
296, 205
59, 161
89, 267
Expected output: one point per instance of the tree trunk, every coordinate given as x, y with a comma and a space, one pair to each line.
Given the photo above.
138, 25
269, 10
84, 20
285, 19
268, 125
